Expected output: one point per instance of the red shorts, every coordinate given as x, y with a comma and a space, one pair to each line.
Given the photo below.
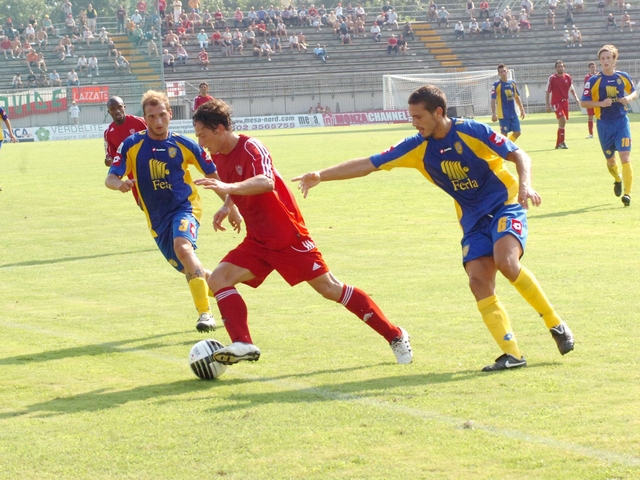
561, 109
296, 263
590, 112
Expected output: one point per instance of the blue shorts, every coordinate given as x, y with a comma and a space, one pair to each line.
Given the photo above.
511, 124
614, 135
507, 220
184, 225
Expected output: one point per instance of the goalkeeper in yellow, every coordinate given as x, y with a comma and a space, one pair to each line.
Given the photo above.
504, 97
465, 158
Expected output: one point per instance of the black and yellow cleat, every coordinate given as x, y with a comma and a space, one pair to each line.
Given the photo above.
504, 362
617, 189
626, 199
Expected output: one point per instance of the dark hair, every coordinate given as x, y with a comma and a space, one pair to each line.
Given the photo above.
213, 113
591, 63
559, 62
431, 97
502, 65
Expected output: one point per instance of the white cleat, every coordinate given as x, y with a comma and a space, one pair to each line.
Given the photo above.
206, 323
401, 347
237, 352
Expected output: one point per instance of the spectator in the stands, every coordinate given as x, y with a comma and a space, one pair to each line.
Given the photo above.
238, 18
550, 19
237, 43
293, 43
67, 9
72, 78
459, 30
111, 49
392, 19
17, 81
625, 21
403, 45
181, 54
484, 9
218, 20
252, 17
443, 16
203, 59
32, 58
92, 18
54, 79
121, 15
60, 51
70, 25
177, 10
474, 27
392, 45
47, 25
87, 36
83, 65
171, 39
265, 50
249, 36
194, 5
168, 60
5, 46
152, 49
610, 22
524, 20
203, 39
31, 79
375, 32
514, 27
42, 80
407, 31
121, 63
321, 52
30, 33
93, 66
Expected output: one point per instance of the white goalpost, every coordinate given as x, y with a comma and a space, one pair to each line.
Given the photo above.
468, 93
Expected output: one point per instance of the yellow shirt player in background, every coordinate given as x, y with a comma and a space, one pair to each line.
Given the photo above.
504, 98
159, 161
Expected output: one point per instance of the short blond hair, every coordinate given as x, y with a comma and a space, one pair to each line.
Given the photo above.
154, 97
611, 49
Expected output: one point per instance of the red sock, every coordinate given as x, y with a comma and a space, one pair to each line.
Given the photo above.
560, 138
590, 127
361, 305
233, 311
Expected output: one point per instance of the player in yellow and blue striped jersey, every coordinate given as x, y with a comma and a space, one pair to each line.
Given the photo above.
465, 158
504, 97
609, 93
159, 161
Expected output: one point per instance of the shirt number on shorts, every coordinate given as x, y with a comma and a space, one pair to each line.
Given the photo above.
502, 224
184, 225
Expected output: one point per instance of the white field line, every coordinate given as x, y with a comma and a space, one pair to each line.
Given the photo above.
600, 455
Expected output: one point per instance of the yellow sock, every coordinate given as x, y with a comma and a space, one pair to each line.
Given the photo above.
199, 289
497, 321
615, 172
527, 285
627, 176
511, 137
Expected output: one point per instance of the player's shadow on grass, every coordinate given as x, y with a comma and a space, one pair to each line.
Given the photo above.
106, 348
104, 398
577, 211
32, 263
375, 389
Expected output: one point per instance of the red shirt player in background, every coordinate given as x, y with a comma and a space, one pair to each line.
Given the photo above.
277, 238
590, 112
203, 97
123, 125
558, 87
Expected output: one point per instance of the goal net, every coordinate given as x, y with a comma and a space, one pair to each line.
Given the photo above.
468, 93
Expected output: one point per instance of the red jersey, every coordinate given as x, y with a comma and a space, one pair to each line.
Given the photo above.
587, 77
114, 135
272, 219
199, 100
559, 86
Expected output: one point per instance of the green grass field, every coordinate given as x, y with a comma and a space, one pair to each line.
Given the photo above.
96, 328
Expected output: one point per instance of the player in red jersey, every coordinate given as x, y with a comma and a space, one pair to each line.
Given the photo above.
558, 87
203, 96
592, 71
277, 238
122, 126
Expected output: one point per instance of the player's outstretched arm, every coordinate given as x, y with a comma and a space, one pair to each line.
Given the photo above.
358, 167
114, 182
523, 166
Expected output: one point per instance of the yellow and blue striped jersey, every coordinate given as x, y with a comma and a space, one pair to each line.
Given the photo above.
468, 164
602, 86
4, 117
505, 94
161, 171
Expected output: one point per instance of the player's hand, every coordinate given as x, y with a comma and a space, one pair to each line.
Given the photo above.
108, 160
307, 182
522, 115
14, 139
606, 102
212, 184
127, 185
527, 193
235, 219
219, 217
623, 101
494, 118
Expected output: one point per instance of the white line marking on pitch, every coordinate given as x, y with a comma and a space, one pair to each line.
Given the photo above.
601, 455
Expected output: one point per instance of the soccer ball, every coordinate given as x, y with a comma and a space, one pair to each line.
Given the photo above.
202, 362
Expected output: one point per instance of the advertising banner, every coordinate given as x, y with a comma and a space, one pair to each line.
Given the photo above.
91, 94
366, 118
34, 102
